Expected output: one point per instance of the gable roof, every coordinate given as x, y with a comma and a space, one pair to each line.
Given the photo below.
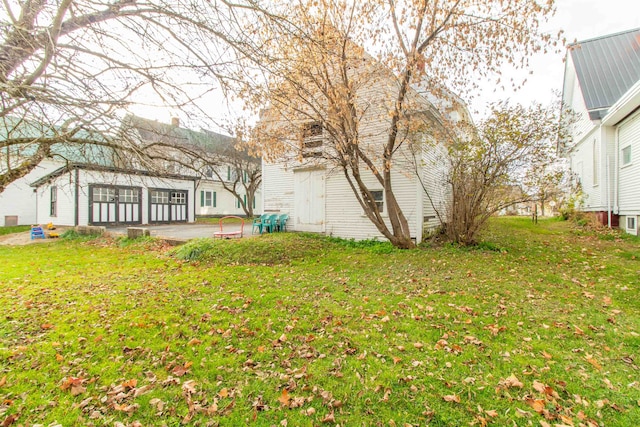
606, 68
152, 130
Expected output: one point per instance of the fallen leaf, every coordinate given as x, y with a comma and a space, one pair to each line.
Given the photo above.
512, 381
223, 393
329, 418
46, 326
179, 371
3, 381
9, 420
492, 413
593, 362
537, 404
194, 341
451, 398
284, 398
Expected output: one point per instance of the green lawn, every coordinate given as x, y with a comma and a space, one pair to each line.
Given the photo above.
541, 327
14, 229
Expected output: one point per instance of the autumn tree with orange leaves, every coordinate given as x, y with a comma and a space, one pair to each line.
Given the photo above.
354, 70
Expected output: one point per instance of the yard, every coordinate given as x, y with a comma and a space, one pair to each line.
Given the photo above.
540, 326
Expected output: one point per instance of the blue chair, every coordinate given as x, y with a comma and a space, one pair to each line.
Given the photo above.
37, 232
270, 223
259, 223
282, 222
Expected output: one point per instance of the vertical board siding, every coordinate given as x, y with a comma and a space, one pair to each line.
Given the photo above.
629, 187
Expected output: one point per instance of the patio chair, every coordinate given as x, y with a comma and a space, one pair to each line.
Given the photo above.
259, 223
228, 234
269, 223
282, 222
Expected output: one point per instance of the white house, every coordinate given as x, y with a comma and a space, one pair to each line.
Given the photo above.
220, 165
306, 184
85, 194
602, 89
88, 185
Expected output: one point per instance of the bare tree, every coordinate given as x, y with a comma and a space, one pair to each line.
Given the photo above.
69, 67
320, 73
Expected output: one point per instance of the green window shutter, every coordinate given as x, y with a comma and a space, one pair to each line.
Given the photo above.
201, 198
254, 202
214, 199
245, 200
228, 173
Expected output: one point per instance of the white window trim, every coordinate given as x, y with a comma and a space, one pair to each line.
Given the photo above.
623, 164
383, 213
635, 224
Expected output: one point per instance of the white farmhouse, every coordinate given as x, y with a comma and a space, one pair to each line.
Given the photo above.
308, 184
602, 88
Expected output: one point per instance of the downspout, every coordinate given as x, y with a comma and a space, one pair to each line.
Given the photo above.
77, 199
195, 197
608, 191
616, 181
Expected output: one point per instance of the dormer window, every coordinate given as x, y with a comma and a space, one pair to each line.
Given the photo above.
312, 139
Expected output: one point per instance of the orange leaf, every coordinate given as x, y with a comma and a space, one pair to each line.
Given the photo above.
3, 381
59, 357
46, 326
284, 398
130, 383
223, 393
536, 404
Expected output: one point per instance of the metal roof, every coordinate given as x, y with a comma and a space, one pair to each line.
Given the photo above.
607, 67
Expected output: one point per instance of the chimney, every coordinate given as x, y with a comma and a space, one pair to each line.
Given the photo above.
175, 121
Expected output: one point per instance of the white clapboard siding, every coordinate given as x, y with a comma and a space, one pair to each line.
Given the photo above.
434, 188
277, 191
629, 187
582, 163
19, 198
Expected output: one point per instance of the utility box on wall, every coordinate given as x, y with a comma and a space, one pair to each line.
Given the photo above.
10, 220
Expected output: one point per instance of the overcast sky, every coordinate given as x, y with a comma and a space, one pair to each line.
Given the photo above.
580, 20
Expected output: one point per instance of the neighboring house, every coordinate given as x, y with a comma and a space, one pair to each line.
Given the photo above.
18, 202
215, 168
89, 194
305, 184
602, 88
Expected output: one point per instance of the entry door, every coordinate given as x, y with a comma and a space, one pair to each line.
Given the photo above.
309, 194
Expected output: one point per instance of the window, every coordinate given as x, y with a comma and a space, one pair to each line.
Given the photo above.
631, 223
208, 172
596, 162
378, 197
207, 198
626, 155
159, 196
104, 194
312, 139
128, 195
54, 201
178, 198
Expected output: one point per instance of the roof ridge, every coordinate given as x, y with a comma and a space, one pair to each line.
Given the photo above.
605, 36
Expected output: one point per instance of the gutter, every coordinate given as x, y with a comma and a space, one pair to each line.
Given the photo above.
616, 180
